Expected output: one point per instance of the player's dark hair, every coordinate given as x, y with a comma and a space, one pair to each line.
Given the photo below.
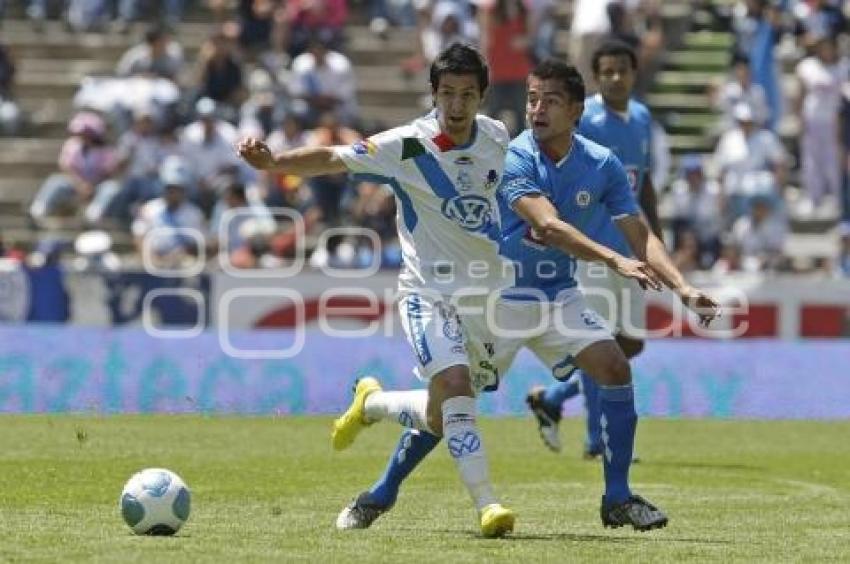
613, 49
459, 58
566, 74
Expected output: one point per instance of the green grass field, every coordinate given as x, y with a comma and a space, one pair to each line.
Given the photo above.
269, 489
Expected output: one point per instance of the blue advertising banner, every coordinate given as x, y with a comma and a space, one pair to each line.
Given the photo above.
55, 368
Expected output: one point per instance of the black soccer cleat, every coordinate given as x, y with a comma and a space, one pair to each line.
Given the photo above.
635, 511
547, 420
360, 513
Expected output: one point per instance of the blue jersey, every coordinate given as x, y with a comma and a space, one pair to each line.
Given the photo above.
629, 137
588, 187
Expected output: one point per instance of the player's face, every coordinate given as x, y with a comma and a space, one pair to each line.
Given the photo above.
457, 100
616, 78
550, 111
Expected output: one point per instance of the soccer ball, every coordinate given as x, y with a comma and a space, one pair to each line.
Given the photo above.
155, 501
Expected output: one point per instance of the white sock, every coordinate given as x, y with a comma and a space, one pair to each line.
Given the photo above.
467, 450
409, 408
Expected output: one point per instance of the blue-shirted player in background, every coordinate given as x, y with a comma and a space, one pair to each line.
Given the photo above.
615, 120
553, 182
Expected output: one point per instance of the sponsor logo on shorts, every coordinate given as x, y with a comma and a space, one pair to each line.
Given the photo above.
451, 323
592, 319
417, 329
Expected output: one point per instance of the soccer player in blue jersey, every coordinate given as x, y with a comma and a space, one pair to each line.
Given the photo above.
554, 181
615, 120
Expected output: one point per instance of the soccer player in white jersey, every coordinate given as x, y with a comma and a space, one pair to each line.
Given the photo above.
552, 181
444, 169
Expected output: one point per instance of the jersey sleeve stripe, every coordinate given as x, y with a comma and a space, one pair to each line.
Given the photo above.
435, 176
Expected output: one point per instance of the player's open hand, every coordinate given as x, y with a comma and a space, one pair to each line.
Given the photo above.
256, 153
640, 271
706, 307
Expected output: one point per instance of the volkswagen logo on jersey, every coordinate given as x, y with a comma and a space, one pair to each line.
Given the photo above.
583, 198
471, 212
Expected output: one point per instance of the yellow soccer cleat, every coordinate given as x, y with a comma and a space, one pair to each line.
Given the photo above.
350, 423
496, 521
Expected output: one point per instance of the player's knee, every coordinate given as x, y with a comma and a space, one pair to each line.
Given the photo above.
619, 371
435, 422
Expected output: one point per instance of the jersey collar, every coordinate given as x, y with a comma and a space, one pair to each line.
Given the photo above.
445, 143
563, 160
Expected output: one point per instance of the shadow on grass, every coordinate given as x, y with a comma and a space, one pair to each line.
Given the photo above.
578, 537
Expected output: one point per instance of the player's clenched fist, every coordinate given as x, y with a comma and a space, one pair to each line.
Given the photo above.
256, 153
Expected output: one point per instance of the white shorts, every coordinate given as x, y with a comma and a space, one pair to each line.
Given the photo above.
436, 332
620, 301
556, 332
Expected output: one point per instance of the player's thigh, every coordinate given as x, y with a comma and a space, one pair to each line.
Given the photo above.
620, 301
573, 328
490, 347
435, 334
632, 305
605, 363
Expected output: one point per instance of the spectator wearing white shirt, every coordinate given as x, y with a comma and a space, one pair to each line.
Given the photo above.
207, 144
158, 55
740, 89
760, 236
590, 24
822, 78
324, 79
752, 161
170, 226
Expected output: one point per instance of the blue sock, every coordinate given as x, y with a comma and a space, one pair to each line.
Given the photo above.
618, 422
592, 441
559, 392
412, 447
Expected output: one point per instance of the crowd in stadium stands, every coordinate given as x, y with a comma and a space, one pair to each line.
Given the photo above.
277, 69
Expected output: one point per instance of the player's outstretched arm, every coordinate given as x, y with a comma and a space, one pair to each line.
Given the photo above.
649, 248
304, 161
541, 215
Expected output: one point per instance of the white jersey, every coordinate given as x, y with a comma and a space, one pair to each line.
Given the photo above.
448, 219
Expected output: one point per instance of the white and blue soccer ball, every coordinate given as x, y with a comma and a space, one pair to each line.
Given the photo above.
155, 501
